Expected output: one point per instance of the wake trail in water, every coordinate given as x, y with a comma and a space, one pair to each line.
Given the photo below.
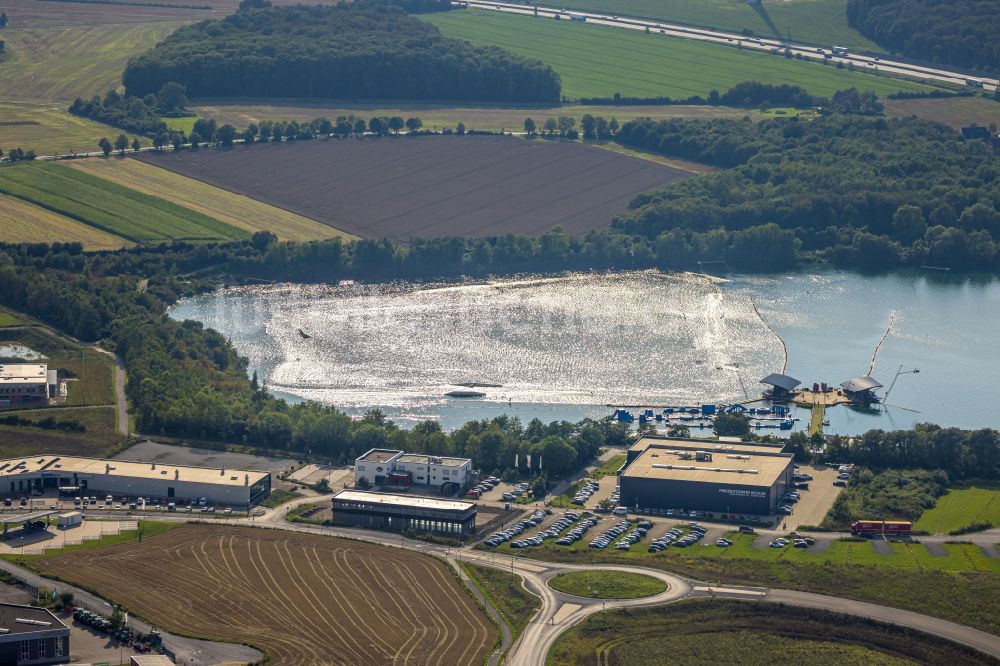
871, 367
784, 347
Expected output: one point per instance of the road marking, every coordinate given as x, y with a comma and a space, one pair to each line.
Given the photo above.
564, 611
728, 590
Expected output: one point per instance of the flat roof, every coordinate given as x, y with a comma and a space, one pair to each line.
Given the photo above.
860, 384
138, 470
781, 381
16, 518
688, 444
17, 619
435, 460
23, 373
415, 501
379, 455
744, 469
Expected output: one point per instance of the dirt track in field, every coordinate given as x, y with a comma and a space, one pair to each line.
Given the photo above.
429, 187
304, 599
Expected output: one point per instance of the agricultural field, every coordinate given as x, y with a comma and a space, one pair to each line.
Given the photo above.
303, 599
820, 22
596, 61
607, 584
961, 507
439, 117
404, 187
49, 130
697, 632
230, 208
956, 111
104, 205
23, 222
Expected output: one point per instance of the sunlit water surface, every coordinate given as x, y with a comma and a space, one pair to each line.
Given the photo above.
566, 347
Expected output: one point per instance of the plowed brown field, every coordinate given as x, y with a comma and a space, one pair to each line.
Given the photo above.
304, 599
433, 186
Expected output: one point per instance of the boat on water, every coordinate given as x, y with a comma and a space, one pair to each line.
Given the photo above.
305, 336
473, 385
465, 394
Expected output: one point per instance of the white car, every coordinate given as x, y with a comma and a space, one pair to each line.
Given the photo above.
619, 511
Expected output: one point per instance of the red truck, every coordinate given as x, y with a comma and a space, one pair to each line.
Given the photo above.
882, 527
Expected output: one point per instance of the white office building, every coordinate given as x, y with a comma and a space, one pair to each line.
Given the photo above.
387, 467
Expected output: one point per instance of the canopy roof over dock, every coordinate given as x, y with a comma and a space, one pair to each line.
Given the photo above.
859, 384
781, 381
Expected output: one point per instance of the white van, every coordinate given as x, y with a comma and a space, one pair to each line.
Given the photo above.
620, 511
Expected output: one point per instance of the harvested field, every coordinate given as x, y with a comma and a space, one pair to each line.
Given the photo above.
439, 116
304, 599
405, 187
233, 209
49, 130
23, 222
956, 111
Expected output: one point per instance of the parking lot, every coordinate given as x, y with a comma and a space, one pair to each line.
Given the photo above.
815, 502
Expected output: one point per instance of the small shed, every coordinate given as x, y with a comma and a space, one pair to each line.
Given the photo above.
861, 390
70, 519
781, 386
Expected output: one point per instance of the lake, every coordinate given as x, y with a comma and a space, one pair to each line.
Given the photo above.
566, 347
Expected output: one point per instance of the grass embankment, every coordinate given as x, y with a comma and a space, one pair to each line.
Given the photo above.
230, 208
963, 586
110, 207
598, 61
147, 529
7, 319
278, 497
702, 632
609, 467
820, 22
607, 584
506, 594
961, 507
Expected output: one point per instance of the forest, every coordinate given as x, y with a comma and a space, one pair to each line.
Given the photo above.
859, 191
964, 33
347, 51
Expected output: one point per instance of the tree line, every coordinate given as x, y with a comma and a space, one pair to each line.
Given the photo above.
964, 33
861, 192
361, 50
142, 115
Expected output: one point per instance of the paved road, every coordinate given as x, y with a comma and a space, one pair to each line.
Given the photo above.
560, 611
880, 64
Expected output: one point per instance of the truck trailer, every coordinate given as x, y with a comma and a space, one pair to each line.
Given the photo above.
882, 528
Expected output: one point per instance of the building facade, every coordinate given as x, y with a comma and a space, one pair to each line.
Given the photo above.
388, 467
383, 511
725, 478
30, 635
91, 476
26, 384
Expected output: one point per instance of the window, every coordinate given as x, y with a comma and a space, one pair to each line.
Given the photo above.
60, 647
41, 648
25, 651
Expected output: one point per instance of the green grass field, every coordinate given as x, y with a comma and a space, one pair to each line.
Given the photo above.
820, 22
610, 466
607, 584
181, 124
596, 61
710, 632
100, 440
112, 208
7, 319
506, 593
960, 507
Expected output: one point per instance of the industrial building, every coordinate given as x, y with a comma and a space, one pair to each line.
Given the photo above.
27, 383
727, 478
30, 635
388, 467
75, 476
357, 508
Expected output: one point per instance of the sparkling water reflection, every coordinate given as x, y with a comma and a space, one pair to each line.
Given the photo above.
564, 347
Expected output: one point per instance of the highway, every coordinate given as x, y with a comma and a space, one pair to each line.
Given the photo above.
561, 611
880, 64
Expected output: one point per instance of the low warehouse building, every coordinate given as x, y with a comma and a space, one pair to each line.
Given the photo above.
727, 478
30, 635
26, 384
358, 508
92, 476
